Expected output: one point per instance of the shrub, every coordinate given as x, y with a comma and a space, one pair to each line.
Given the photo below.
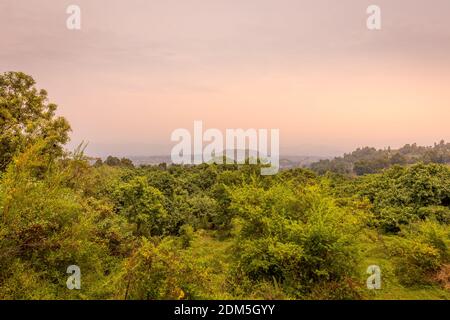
420, 251
301, 238
143, 205
158, 271
46, 227
186, 235
403, 195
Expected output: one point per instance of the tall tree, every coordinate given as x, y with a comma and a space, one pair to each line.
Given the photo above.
26, 116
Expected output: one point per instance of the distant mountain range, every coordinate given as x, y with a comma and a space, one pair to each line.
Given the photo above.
285, 161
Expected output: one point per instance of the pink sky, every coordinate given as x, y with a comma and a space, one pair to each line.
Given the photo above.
139, 69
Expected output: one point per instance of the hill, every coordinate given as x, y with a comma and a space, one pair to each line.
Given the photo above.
370, 160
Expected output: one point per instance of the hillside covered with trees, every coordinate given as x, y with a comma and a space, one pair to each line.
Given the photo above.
370, 160
211, 231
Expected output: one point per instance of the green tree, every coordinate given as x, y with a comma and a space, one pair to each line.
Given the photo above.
143, 205
301, 238
45, 226
112, 161
26, 116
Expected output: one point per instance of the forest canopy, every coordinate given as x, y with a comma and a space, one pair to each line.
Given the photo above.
370, 160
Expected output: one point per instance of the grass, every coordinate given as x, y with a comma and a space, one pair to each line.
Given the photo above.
214, 257
375, 253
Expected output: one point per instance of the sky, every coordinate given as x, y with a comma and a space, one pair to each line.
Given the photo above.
139, 69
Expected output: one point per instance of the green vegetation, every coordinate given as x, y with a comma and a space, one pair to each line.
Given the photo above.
207, 231
370, 160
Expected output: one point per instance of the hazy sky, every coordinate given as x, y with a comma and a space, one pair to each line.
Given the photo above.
138, 69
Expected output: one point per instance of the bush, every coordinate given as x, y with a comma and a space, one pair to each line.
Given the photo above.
46, 227
420, 252
158, 271
143, 206
438, 213
403, 195
186, 235
300, 238
203, 210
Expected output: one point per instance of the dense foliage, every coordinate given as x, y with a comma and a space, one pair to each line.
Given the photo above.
213, 231
370, 160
